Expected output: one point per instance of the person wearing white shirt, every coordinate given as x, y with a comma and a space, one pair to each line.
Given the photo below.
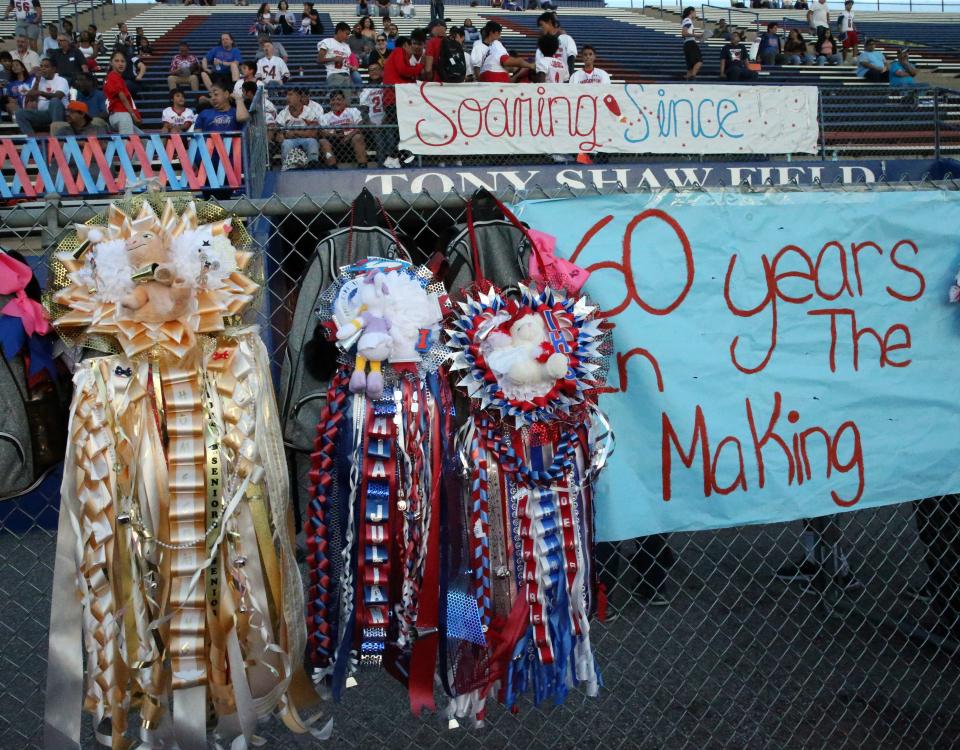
271, 69
818, 18
23, 53
50, 92
489, 56
371, 97
549, 24
297, 126
334, 54
550, 65
339, 128
248, 72
588, 73
849, 38
178, 117
29, 17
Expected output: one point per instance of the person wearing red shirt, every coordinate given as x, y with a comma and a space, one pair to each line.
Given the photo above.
431, 53
124, 116
397, 70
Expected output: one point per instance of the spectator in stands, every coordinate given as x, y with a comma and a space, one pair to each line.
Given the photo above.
550, 65
334, 52
248, 91
383, 8
134, 72
226, 111
297, 128
124, 115
733, 61
141, 43
340, 130
67, 59
50, 40
123, 39
380, 52
6, 62
29, 17
371, 99
818, 19
359, 45
849, 38
89, 52
184, 69
393, 33
827, 50
368, 29
549, 24
67, 29
221, 62
96, 38
286, 18
271, 69
721, 31
78, 122
588, 73
437, 12
871, 64
21, 81
691, 46
397, 70
23, 53
264, 23
771, 51
902, 71
470, 32
407, 8
278, 49
88, 93
490, 58
795, 49
431, 53
248, 74
178, 117
315, 25
363, 8
50, 92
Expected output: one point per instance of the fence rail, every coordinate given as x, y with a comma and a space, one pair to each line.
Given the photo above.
736, 657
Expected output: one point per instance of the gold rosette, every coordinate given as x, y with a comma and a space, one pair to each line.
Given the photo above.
175, 575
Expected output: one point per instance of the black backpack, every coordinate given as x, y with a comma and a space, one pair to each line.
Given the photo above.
453, 61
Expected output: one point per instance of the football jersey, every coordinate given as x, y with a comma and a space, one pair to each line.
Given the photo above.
272, 69
350, 117
308, 117
372, 99
597, 75
183, 119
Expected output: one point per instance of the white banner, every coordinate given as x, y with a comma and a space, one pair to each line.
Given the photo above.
557, 118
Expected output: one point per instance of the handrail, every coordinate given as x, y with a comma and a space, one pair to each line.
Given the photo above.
730, 11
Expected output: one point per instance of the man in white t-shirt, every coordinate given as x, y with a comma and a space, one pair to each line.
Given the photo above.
549, 24
488, 56
334, 54
297, 126
178, 117
50, 92
23, 53
588, 73
271, 69
248, 72
849, 38
550, 65
818, 18
339, 130
29, 17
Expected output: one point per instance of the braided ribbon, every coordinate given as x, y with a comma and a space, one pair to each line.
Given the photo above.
319, 638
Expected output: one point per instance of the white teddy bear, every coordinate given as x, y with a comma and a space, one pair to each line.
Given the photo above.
514, 359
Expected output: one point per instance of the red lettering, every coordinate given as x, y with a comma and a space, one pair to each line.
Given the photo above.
670, 438
922, 285
857, 334
622, 359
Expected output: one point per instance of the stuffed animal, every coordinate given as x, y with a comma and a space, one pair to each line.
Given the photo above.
375, 343
522, 358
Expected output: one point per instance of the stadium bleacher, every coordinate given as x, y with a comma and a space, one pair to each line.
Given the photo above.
52, 10
633, 47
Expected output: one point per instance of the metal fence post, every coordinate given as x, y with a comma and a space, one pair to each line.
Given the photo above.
823, 136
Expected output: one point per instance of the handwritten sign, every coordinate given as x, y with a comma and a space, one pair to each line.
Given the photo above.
778, 355
490, 118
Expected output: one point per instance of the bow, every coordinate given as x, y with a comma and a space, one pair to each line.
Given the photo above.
14, 277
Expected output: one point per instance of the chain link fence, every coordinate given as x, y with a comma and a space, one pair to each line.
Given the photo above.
706, 643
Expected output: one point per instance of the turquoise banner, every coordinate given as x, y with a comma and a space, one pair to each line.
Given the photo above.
779, 355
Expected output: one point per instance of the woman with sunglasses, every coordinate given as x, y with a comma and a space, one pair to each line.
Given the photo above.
380, 53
